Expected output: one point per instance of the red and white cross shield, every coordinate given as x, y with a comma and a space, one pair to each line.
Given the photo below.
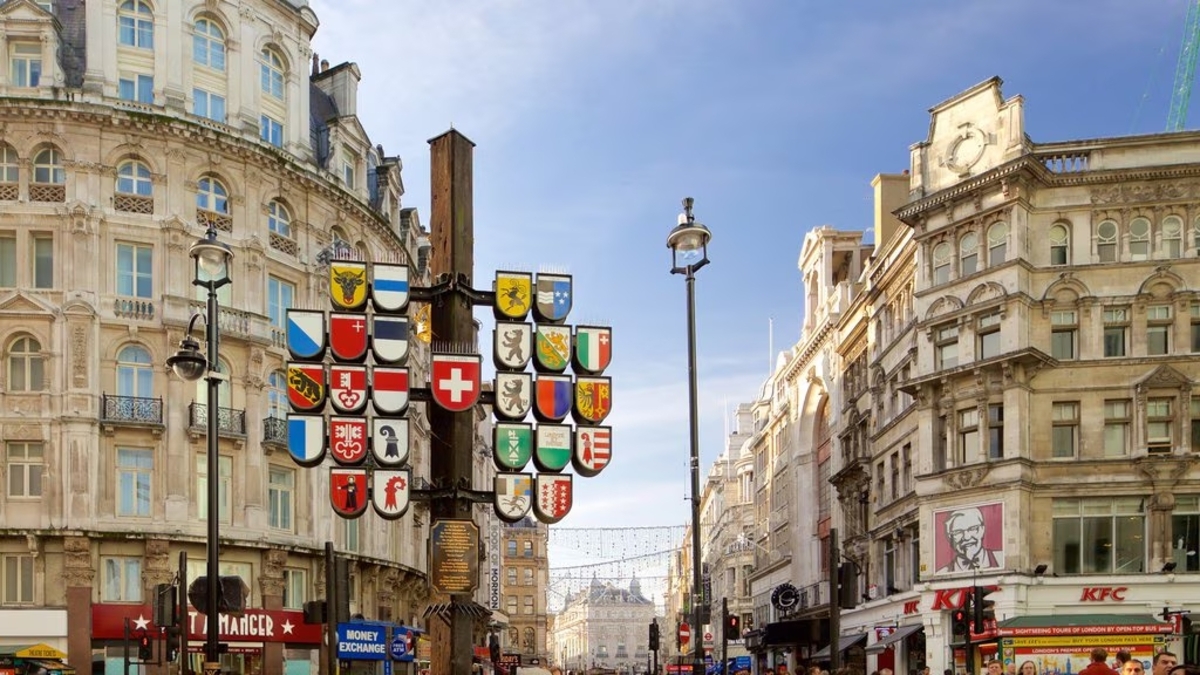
348, 440
348, 388
553, 501
348, 336
454, 381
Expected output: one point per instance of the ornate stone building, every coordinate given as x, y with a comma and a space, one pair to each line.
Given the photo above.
127, 128
605, 626
526, 570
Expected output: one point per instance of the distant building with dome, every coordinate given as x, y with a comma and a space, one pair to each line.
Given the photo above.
604, 626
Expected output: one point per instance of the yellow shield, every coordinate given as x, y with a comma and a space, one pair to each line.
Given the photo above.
514, 292
347, 284
423, 330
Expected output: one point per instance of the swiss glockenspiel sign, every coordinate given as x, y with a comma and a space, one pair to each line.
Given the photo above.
349, 391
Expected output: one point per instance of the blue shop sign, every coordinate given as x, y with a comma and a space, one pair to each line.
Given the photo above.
362, 641
404, 643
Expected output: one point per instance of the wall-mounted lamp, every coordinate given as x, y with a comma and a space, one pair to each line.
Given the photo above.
1040, 569
1169, 566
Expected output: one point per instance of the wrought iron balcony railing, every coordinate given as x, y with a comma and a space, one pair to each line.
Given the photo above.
275, 430
229, 421
131, 409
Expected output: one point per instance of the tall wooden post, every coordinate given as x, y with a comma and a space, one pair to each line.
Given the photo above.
452, 235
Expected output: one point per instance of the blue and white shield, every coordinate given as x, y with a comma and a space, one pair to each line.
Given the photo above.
553, 297
389, 338
306, 334
306, 439
514, 495
389, 441
389, 287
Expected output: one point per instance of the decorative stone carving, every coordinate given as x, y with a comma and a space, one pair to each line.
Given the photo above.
79, 341
22, 432
1163, 471
962, 479
158, 563
270, 582
944, 305
985, 293
78, 570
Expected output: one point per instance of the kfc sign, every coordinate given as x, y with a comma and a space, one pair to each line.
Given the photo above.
1103, 593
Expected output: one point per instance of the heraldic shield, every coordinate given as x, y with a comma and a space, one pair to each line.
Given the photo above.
512, 345
348, 388
306, 334
454, 381
514, 291
390, 492
553, 447
554, 496
389, 441
514, 495
553, 397
593, 399
348, 337
552, 348
512, 445
306, 386
348, 491
514, 395
348, 440
389, 390
348, 284
389, 338
553, 297
389, 287
593, 450
593, 349
306, 439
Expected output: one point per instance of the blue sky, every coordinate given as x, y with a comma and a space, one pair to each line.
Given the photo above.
593, 119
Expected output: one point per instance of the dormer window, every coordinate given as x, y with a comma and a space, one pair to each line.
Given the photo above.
47, 5
348, 169
25, 59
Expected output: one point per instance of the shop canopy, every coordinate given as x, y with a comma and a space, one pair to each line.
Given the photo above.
1082, 624
38, 651
844, 642
893, 637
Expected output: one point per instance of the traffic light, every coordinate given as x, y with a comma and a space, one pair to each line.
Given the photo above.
145, 649
984, 610
733, 627
173, 633
654, 636
959, 625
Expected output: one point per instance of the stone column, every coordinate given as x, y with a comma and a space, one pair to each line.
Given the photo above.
78, 576
156, 569
270, 583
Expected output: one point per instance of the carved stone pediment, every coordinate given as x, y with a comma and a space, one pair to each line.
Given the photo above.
968, 477
1164, 377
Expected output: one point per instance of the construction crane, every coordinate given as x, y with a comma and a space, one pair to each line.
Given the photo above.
1185, 70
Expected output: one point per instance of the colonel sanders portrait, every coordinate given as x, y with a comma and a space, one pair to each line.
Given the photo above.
970, 538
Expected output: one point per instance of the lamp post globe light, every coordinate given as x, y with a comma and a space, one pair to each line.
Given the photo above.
211, 259
689, 252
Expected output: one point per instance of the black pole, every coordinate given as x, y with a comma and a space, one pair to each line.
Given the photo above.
212, 647
725, 636
331, 605
182, 619
835, 603
693, 396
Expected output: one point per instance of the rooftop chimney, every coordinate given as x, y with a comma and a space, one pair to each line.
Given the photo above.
341, 83
891, 192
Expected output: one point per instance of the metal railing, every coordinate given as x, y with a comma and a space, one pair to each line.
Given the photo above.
132, 409
274, 430
229, 420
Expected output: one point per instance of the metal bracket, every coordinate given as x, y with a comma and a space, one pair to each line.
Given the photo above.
445, 285
455, 492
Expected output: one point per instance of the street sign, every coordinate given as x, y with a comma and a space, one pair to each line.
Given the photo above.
685, 634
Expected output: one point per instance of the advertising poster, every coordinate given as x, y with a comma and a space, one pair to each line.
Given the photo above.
969, 538
1069, 655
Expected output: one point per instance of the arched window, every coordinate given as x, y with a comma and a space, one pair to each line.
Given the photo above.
1139, 239
211, 195
208, 45
1172, 236
941, 263
224, 390
1106, 241
272, 69
1060, 244
133, 178
277, 403
968, 252
47, 168
997, 244
10, 170
135, 23
135, 372
26, 366
279, 220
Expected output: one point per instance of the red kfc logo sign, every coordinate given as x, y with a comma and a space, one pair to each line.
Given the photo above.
1103, 593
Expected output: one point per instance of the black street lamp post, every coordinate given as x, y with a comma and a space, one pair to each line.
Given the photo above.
211, 272
689, 252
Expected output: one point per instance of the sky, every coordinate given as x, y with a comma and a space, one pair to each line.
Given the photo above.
593, 119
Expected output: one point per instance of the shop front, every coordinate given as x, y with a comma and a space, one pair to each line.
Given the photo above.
894, 630
259, 638
899, 648
1063, 644
39, 659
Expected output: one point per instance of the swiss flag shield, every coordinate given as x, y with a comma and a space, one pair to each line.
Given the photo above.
454, 381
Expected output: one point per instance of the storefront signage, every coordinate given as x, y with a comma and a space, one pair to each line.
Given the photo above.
494, 570
1120, 629
912, 607
40, 651
256, 625
404, 646
361, 642
454, 556
1102, 593
1070, 654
